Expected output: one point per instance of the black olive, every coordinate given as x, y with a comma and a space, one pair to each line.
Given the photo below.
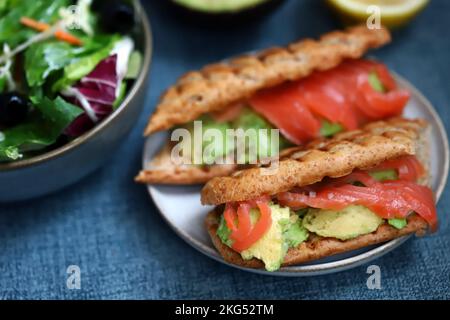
14, 108
116, 16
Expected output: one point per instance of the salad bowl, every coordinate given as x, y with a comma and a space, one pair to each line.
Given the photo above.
52, 170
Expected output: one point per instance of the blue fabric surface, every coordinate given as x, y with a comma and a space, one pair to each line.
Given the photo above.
109, 226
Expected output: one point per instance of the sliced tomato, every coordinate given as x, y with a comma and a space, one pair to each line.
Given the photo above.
372, 104
342, 95
283, 107
244, 235
380, 105
420, 199
385, 77
230, 216
299, 200
345, 77
254, 202
408, 167
393, 199
244, 223
262, 225
318, 101
380, 69
323, 96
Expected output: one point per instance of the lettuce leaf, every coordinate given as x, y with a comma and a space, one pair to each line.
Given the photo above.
2, 84
134, 65
398, 223
223, 232
382, 175
41, 59
13, 32
41, 129
81, 67
329, 129
44, 58
4, 5
121, 96
376, 83
58, 111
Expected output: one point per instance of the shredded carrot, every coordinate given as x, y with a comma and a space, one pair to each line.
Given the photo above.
67, 37
42, 26
39, 26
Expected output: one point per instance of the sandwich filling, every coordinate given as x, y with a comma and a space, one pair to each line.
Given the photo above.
327, 102
341, 208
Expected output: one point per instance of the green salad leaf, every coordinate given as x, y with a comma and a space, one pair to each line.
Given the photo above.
2, 84
43, 58
41, 129
376, 83
398, 223
12, 31
121, 95
223, 232
382, 175
329, 129
83, 65
134, 65
4, 5
59, 112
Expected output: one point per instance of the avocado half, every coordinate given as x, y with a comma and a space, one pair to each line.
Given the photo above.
217, 11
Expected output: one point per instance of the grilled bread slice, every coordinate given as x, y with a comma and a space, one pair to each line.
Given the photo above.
163, 171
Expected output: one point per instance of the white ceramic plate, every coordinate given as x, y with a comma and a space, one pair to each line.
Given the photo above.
180, 205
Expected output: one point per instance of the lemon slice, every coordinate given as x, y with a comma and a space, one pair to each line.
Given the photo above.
393, 13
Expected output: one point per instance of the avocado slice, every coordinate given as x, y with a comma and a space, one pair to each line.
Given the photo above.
348, 223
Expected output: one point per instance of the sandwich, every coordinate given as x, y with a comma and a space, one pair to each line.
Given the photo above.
307, 90
357, 189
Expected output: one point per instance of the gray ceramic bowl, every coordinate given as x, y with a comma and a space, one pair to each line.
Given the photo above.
43, 174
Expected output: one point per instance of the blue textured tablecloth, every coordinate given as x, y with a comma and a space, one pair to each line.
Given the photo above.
109, 226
